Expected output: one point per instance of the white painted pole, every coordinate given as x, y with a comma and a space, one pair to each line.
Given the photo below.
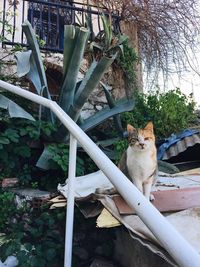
182, 252
70, 202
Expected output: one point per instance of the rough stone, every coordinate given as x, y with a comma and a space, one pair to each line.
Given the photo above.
32, 193
9, 182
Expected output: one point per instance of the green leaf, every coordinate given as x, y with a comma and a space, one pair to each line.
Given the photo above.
23, 62
107, 142
69, 43
122, 38
89, 83
14, 110
72, 65
104, 114
4, 101
33, 75
112, 104
32, 42
23, 151
4, 140
12, 135
37, 72
44, 159
111, 154
96, 45
108, 30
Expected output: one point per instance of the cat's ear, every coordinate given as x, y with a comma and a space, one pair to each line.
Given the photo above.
130, 129
149, 126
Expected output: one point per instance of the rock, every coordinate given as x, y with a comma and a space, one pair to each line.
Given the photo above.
9, 182
34, 196
29, 194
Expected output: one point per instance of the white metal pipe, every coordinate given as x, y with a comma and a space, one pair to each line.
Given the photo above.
26, 94
182, 252
70, 202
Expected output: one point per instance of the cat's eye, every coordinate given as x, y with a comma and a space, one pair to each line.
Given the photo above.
133, 140
146, 138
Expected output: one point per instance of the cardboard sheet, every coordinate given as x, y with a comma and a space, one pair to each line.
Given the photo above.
166, 200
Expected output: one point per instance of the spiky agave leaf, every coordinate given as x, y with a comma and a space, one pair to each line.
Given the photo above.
14, 110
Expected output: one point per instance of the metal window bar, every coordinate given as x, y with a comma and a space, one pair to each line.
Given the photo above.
4, 19
46, 26
14, 20
49, 25
23, 19
182, 252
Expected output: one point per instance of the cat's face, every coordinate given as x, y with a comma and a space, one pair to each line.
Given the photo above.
141, 139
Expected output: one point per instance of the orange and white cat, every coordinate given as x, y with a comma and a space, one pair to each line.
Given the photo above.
139, 161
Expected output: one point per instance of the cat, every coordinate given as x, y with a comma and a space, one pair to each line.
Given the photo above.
139, 161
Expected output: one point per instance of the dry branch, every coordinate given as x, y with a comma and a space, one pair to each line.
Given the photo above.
167, 30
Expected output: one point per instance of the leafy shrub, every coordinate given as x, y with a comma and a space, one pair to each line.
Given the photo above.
37, 238
170, 112
120, 147
20, 146
59, 158
7, 208
18, 153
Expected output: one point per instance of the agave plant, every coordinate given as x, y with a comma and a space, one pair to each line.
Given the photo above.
73, 94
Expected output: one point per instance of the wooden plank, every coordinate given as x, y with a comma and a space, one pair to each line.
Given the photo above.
166, 200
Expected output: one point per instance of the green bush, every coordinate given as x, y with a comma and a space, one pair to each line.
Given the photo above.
36, 237
17, 152
7, 208
60, 159
170, 112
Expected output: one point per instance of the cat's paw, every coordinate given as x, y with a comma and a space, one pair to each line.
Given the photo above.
151, 198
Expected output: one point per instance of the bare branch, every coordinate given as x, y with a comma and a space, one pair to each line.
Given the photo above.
167, 30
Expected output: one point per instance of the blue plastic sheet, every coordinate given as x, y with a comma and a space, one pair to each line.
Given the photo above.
173, 139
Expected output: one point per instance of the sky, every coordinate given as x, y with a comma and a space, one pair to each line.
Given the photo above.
188, 82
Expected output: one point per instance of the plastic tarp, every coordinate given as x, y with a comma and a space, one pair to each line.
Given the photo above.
173, 139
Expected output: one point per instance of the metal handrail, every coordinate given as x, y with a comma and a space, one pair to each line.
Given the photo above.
181, 251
